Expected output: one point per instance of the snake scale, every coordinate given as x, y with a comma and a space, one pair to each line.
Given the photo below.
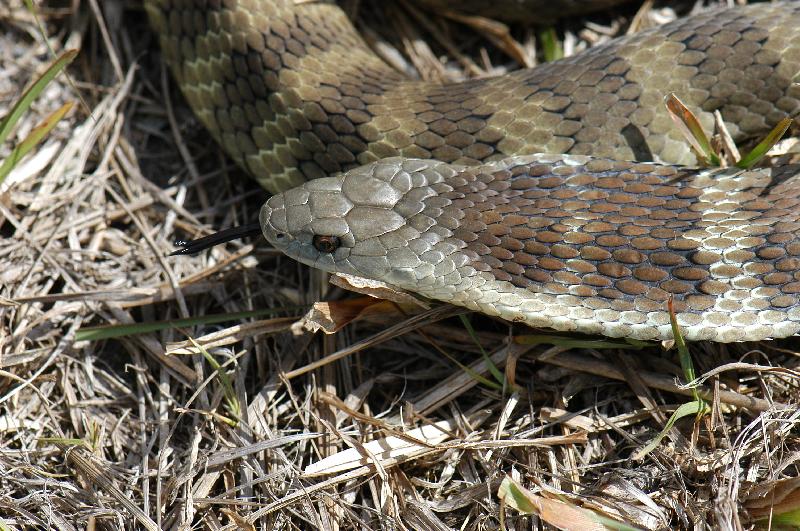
446, 190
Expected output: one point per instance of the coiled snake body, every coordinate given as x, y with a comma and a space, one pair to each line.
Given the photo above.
443, 192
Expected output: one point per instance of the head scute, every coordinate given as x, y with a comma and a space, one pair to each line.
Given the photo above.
362, 222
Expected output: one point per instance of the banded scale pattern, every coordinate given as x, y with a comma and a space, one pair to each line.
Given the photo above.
565, 242
292, 92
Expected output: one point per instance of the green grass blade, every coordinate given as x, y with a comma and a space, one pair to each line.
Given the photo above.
33, 92
30, 141
96, 333
227, 387
690, 127
488, 382
683, 351
551, 49
498, 375
568, 342
696, 407
787, 520
758, 152
515, 497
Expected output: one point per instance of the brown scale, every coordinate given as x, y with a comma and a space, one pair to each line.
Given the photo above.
519, 239
291, 91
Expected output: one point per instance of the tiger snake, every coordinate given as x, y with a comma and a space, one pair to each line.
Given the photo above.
515, 195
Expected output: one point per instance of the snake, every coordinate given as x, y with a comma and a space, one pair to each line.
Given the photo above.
560, 196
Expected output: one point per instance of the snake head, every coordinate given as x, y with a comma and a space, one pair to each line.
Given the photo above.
372, 221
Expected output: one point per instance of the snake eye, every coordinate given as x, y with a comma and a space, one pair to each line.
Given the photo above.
326, 244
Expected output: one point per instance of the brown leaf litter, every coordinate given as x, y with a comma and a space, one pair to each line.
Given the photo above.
396, 421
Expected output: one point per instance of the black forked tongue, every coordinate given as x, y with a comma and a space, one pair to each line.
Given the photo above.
200, 244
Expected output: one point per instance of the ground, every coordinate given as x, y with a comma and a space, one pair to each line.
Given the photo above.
271, 426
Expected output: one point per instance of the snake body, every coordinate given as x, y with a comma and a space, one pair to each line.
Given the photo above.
563, 241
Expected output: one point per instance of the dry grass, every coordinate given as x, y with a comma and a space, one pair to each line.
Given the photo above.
116, 433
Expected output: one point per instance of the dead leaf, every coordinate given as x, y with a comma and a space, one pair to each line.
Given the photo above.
377, 289
557, 513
